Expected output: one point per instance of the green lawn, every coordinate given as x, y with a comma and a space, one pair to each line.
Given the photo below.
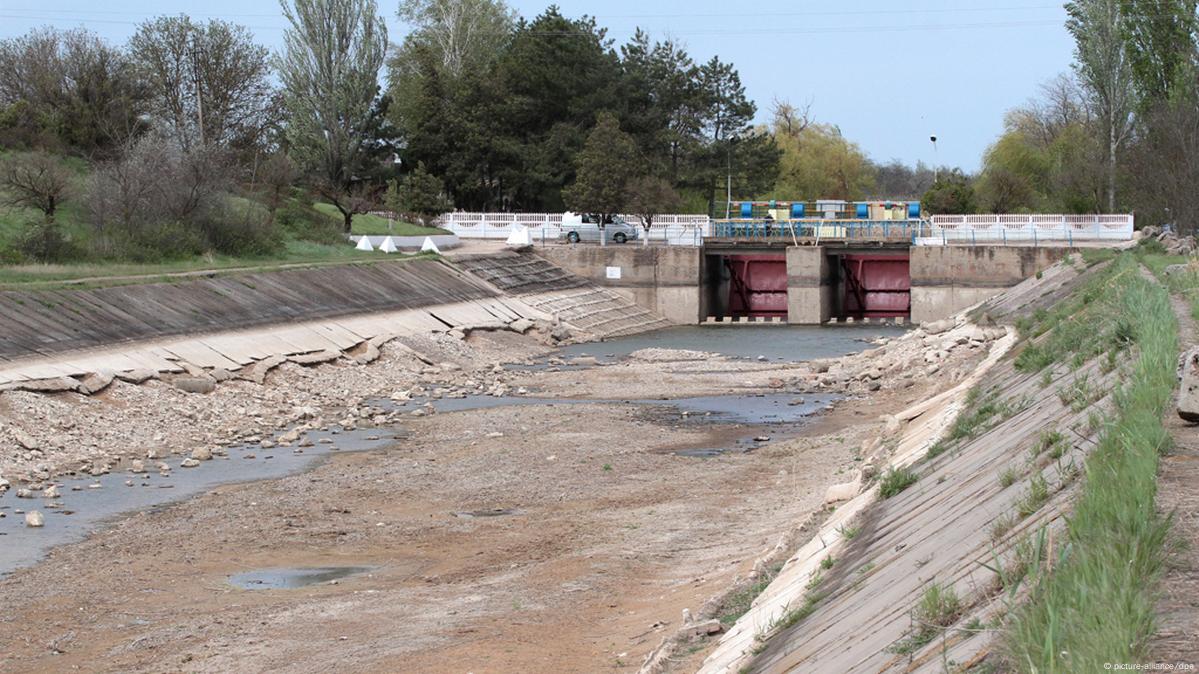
296, 253
375, 225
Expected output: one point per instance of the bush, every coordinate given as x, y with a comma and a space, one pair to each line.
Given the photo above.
896, 480
243, 229
151, 243
301, 220
45, 242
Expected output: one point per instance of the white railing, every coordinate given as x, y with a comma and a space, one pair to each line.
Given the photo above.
674, 229
1023, 229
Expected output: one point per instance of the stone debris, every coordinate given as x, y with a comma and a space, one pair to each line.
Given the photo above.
1188, 389
34, 519
195, 384
1175, 244
201, 454
189, 463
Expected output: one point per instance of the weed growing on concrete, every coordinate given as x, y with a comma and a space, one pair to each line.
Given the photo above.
1008, 477
827, 563
1046, 378
1098, 604
938, 609
1054, 442
1001, 526
1079, 394
737, 604
1036, 496
982, 410
896, 480
849, 533
937, 449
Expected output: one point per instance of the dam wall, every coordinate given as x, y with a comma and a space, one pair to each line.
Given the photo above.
947, 279
666, 280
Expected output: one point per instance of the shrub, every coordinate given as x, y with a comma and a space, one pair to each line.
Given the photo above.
896, 480
45, 242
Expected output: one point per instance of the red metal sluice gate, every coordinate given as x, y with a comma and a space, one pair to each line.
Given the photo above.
876, 286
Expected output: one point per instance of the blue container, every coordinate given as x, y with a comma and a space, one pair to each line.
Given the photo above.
747, 210
913, 210
797, 211
863, 211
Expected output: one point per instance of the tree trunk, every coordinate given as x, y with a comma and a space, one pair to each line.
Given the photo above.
348, 217
1111, 166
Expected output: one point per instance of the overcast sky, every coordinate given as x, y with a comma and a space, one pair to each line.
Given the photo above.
889, 74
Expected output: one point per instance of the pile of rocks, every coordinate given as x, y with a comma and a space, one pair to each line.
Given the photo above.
1175, 244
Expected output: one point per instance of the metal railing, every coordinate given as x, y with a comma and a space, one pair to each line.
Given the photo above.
671, 229
1025, 229
818, 229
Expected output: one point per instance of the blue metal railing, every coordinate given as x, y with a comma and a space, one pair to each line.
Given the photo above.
785, 230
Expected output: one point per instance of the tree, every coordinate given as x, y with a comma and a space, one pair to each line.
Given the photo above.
418, 194
463, 34
1159, 39
818, 162
208, 83
1164, 167
1102, 64
329, 68
67, 89
649, 196
276, 175
34, 180
951, 194
603, 170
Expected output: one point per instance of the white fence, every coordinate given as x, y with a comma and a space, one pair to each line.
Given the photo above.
990, 229
690, 230
679, 230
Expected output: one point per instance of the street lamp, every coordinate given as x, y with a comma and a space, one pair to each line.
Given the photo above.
936, 162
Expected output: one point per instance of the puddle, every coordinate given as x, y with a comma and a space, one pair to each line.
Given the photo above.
775, 342
85, 508
290, 579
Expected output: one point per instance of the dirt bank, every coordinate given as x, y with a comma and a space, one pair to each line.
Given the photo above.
603, 535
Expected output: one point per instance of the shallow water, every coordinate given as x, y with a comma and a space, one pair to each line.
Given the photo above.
775, 342
86, 509
290, 579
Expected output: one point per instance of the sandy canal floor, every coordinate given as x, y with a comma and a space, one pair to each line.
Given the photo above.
541, 538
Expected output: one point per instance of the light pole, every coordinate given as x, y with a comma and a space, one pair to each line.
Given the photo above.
936, 162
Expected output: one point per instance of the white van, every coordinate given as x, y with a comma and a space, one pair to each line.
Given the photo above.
578, 227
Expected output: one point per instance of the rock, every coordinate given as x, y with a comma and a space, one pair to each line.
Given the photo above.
369, 355
267, 444
50, 492
891, 424
1188, 390
52, 385
290, 436
137, 466
96, 382
24, 493
521, 325
137, 376
220, 374
258, 371
585, 361
873, 385
189, 463
202, 454
937, 327
4, 485
34, 519
195, 384
316, 357
692, 629
842, 492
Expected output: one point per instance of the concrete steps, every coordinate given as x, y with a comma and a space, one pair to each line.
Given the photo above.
546, 287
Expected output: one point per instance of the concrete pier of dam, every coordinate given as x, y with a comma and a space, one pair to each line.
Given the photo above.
805, 285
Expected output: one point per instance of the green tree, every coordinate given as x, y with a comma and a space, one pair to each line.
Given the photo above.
817, 161
462, 34
329, 68
418, 194
1101, 62
647, 197
1159, 37
950, 194
604, 167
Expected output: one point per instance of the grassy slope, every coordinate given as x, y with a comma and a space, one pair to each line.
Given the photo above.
1097, 604
373, 224
72, 219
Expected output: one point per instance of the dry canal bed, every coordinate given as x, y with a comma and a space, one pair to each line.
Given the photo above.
532, 537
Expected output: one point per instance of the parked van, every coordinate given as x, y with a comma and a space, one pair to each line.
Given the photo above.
578, 227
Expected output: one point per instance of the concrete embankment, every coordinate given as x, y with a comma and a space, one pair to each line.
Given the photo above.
58, 340
969, 476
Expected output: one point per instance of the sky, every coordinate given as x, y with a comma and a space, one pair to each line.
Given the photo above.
888, 74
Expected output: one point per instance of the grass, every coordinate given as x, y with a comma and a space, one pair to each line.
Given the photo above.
300, 253
1097, 605
738, 603
982, 411
1036, 496
367, 223
896, 480
1008, 477
939, 608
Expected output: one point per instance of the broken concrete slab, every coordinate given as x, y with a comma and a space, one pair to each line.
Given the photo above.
316, 357
1188, 388
52, 385
137, 376
96, 382
258, 371
195, 384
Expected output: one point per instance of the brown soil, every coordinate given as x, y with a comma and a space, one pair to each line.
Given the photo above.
1177, 639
